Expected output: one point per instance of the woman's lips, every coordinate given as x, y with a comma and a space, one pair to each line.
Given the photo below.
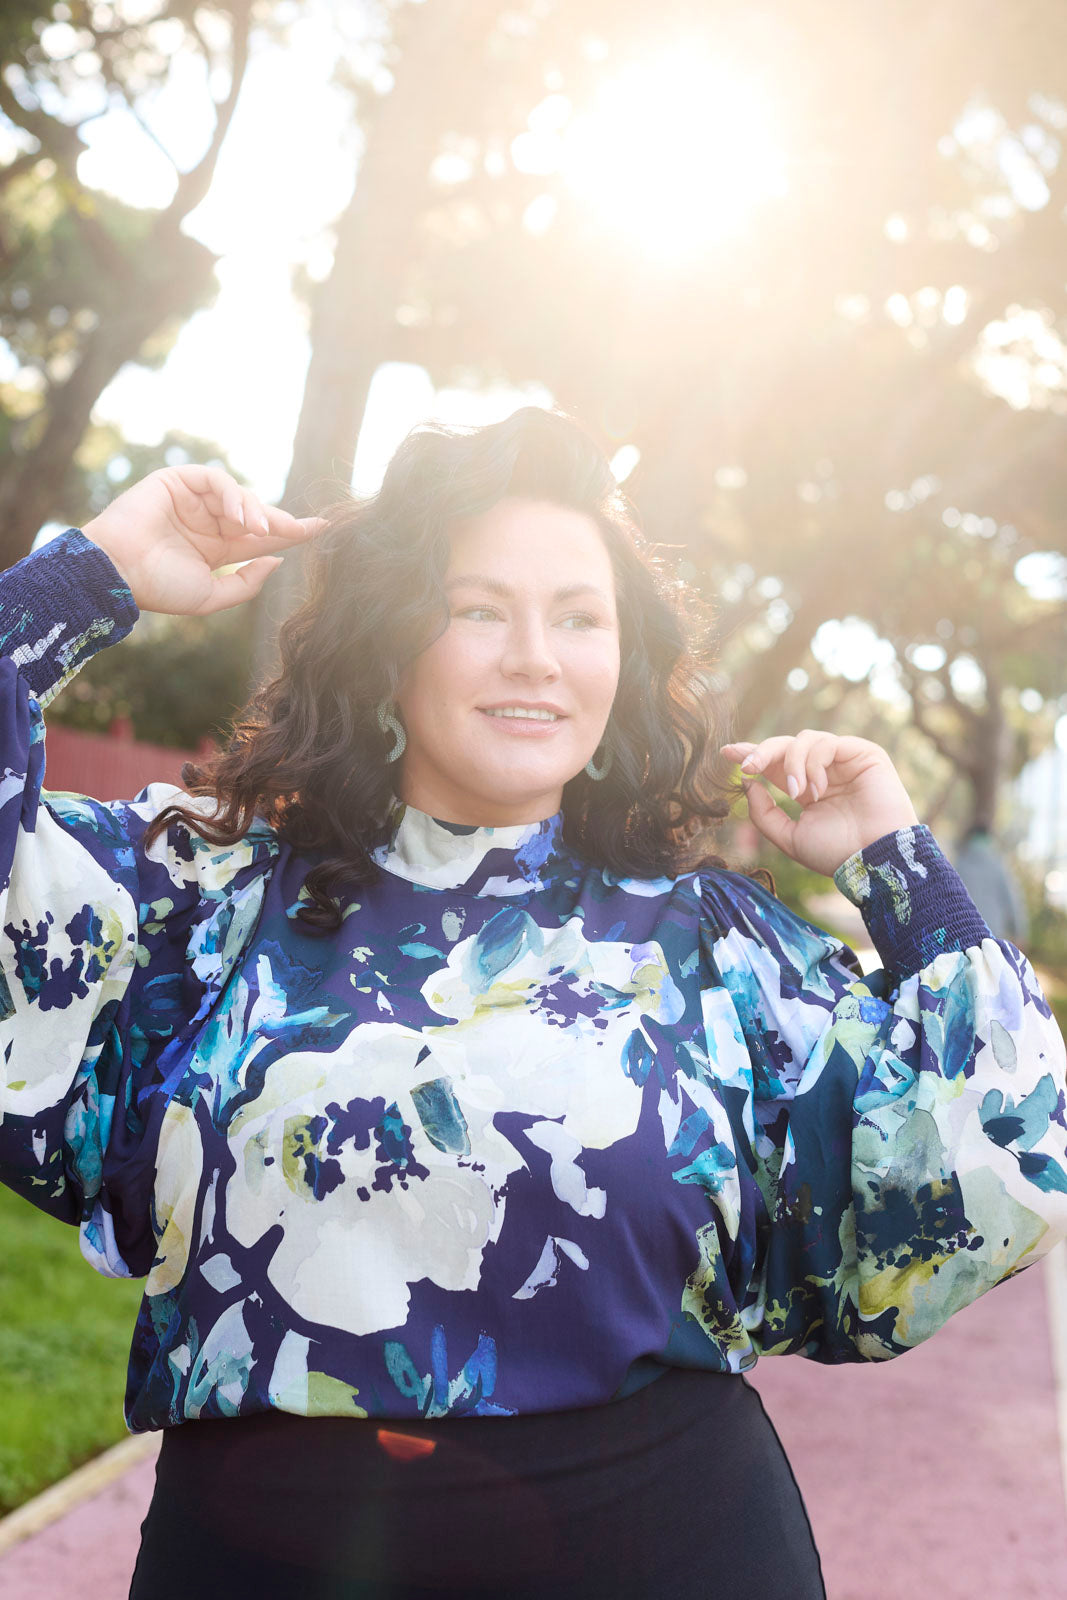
524, 727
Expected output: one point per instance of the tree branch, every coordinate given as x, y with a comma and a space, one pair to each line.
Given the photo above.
942, 745
968, 713
57, 139
115, 82
194, 184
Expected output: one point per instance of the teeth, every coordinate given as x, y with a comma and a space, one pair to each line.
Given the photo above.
524, 711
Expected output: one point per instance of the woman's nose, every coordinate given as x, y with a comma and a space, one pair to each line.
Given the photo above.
528, 653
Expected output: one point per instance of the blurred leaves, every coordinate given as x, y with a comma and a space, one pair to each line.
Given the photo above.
88, 282
177, 679
847, 401
844, 392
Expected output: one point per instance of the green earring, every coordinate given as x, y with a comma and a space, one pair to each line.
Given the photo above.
390, 723
598, 770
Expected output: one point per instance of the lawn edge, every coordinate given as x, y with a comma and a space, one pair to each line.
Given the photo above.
81, 1484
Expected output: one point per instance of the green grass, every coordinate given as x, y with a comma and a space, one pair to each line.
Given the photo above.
64, 1341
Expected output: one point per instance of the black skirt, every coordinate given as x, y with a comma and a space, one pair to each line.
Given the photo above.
681, 1490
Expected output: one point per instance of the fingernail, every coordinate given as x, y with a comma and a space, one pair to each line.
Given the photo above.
264, 524
793, 786
747, 764
241, 515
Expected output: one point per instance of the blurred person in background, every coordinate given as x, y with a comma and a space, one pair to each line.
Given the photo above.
992, 884
474, 1127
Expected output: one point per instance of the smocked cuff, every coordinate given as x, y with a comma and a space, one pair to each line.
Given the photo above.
60, 605
912, 900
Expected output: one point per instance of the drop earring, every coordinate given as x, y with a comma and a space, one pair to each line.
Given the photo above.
598, 770
390, 723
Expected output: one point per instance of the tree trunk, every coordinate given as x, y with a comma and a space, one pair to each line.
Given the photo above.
353, 321
31, 487
989, 737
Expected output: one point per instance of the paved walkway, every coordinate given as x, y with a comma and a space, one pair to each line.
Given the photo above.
937, 1475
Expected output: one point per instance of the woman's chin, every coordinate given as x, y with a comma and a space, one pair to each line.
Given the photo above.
529, 788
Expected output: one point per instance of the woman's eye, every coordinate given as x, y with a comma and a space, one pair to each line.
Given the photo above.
579, 619
478, 613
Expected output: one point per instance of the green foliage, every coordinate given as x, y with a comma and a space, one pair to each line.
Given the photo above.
20, 22
177, 678
794, 884
106, 463
797, 887
64, 1344
73, 259
1047, 942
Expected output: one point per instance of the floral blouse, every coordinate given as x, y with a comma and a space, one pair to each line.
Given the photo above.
522, 1134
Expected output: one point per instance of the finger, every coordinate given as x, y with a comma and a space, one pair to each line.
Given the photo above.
203, 479
736, 750
233, 588
768, 817
797, 765
795, 769
766, 753
255, 514
292, 530
286, 531
817, 780
193, 505
272, 523
784, 760
219, 489
822, 752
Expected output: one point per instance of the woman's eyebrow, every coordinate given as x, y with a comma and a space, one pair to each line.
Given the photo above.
481, 580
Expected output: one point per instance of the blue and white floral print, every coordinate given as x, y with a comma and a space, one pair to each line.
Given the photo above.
519, 1135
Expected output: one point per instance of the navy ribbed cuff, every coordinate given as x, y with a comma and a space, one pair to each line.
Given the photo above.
60, 605
912, 899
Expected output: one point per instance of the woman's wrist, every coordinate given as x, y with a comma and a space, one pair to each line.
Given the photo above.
97, 535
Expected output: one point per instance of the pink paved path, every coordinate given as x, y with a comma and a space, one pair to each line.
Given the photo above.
937, 1475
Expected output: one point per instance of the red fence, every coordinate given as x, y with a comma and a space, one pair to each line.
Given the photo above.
111, 766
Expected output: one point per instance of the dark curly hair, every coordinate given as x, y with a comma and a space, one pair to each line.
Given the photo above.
307, 753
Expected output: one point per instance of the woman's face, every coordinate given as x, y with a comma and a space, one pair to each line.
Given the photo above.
511, 701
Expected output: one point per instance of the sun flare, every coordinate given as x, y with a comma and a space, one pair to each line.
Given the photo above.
674, 152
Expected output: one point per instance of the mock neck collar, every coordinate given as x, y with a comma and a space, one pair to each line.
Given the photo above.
484, 861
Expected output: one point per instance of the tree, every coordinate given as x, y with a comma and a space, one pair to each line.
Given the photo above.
89, 282
812, 398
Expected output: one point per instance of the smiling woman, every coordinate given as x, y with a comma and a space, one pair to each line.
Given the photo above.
471, 1145
514, 696
497, 570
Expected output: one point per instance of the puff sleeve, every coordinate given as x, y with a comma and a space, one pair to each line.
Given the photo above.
906, 1130
108, 953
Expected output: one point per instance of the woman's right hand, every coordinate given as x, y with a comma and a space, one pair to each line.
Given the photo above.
168, 534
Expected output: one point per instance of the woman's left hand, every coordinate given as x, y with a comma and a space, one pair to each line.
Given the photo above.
849, 789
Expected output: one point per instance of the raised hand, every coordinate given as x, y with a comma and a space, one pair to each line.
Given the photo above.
849, 789
169, 532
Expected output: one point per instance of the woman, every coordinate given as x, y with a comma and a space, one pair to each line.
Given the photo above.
472, 1143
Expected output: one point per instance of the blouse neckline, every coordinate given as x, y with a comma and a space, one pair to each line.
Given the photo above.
478, 860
